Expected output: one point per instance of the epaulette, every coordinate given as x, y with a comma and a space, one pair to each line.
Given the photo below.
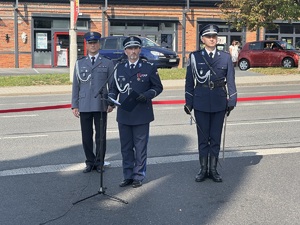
200, 50
104, 56
145, 61
83, 57
223, 51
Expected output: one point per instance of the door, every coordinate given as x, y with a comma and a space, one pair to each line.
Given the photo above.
62, 51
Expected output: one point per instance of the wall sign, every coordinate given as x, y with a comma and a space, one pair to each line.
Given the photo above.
41, 40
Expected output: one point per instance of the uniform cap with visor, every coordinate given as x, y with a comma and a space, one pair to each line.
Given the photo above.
209, 29
132, 42
92, 37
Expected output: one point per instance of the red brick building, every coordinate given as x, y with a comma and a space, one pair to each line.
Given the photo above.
35, 33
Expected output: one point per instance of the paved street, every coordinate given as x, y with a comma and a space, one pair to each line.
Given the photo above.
41, 166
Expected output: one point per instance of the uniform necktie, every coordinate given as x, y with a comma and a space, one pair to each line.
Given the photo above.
93, 60
211, 55
132, 66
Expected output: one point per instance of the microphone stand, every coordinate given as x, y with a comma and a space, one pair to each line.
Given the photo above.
102, 189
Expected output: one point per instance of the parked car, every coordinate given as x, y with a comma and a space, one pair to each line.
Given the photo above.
268, 53
112, 47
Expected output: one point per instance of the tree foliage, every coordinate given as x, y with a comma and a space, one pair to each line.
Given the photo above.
254, 14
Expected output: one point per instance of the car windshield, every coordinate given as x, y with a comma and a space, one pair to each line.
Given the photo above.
286, 45
146, 42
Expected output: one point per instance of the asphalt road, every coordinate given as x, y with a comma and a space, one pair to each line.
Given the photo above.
41, 162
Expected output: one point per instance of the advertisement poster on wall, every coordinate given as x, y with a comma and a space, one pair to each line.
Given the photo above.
62, 57
41, 40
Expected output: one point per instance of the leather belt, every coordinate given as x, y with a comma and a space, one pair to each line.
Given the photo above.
212, 85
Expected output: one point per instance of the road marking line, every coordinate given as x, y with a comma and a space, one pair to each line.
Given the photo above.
35, 70
30, 136
151, 161
267, 103
17, 116
263, 122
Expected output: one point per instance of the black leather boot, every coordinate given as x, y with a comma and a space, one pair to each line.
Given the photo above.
202, 175
213, 173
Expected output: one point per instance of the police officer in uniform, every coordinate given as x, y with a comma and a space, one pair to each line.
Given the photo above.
142, 77
90, 74
209, 71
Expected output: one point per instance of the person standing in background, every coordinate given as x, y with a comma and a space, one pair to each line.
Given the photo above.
234, 52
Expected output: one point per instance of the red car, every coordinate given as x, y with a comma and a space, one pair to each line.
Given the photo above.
268, 53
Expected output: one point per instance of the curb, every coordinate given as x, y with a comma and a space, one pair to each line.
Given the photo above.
167, 84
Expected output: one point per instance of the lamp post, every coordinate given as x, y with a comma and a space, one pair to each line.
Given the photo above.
73, 36
16, 31
104, 9
184, 15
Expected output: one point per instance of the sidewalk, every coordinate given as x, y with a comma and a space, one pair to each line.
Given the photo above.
243, 78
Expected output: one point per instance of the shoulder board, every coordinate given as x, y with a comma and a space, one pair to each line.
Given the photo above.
197, 51
103, 56
223, 52
83, 57
145, 61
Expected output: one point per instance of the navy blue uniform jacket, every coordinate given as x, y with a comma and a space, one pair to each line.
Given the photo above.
145, 79
198, 76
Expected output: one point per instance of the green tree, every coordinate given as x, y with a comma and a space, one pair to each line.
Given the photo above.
254, 14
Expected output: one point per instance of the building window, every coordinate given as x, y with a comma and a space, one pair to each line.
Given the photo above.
273, 31
42, 47
271, 37
161, 32
223, 28
151, 26
65, 24
43, 23
82, 25
134, 26
286, 29
297, 29
226, 35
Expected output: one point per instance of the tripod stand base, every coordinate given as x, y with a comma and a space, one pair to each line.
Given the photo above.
102, 192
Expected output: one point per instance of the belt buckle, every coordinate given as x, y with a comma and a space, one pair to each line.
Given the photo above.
211, 85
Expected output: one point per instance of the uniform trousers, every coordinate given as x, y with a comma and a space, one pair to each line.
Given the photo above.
134, 140
209, 131
86, 121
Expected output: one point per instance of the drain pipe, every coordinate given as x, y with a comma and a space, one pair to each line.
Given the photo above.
184, 13
104, 9
16, 39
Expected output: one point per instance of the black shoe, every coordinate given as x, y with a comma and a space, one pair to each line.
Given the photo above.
88, 169
137, 183
213, 173
126, 182
201, 176
215, 176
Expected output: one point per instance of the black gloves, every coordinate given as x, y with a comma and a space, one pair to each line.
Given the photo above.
141, 98
229, 108
188, 109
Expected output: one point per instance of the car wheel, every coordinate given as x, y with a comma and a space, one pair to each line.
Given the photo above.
288, 63
244, 64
